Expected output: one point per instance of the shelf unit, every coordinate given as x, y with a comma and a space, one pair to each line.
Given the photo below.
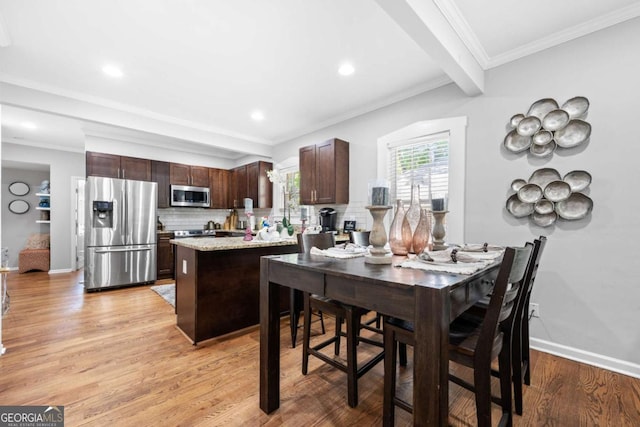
39, 208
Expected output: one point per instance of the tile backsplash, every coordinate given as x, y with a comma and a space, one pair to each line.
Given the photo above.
197, 218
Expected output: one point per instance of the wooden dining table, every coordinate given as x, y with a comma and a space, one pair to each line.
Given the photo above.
429, 299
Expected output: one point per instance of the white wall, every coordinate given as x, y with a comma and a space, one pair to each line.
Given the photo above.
62, 166
587, 288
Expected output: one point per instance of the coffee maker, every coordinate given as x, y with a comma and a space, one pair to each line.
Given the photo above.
327, 218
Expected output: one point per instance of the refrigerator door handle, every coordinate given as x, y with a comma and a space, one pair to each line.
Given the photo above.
106, 251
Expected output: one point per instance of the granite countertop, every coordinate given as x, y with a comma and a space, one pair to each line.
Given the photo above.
225, 243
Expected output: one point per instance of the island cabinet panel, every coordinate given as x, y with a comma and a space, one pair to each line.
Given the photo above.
114, 166
160, 175
324, 173
218, 292
219, 188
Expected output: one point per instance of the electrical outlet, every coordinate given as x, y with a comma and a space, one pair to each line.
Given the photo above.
534, 310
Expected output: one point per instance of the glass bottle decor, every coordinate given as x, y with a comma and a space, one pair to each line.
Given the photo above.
399, 227
422, 233
413, 215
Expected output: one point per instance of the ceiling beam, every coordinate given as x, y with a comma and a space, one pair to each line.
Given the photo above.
46, 102
423, 21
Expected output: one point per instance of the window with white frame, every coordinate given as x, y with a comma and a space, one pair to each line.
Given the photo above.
422, 161
418, 153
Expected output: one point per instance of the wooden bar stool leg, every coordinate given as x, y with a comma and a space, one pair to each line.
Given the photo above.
306, 336
390, 358
352, 360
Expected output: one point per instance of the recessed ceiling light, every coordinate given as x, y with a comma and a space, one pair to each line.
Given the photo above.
346, 69
112, 71
257, 116
29, 125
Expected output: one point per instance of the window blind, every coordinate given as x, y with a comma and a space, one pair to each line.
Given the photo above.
423, 161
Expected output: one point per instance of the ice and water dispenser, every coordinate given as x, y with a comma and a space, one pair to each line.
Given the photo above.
102, 214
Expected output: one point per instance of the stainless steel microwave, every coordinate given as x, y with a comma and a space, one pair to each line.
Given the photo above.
185, 195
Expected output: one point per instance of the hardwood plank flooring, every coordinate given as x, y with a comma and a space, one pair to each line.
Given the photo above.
116, 358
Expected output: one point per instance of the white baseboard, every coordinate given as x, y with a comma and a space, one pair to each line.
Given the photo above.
599, 360
61, 270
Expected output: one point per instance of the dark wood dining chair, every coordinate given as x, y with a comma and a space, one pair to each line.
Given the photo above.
520, 342
296, 304
516, 328
361, 238
471, 345
351, 315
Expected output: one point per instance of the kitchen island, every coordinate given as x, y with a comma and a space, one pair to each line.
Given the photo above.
218, 283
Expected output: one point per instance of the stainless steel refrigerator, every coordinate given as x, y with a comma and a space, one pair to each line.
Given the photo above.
120, 232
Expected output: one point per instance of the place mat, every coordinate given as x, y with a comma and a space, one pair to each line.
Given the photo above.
452, 260
445, 267
339, 252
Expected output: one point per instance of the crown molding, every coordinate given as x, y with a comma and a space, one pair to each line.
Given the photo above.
471, 41
397, 97
602, 22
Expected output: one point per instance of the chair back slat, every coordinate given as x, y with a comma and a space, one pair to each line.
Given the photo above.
360, 238
505, 292
306, 241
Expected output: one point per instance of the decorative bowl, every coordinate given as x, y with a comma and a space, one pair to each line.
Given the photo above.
578, 180
528, 126
557, 191
517, 184
518, 208
576, 206
575, 133
542, 137
576, 107
541, 107
543, 150
544, 176
530, 193
515, 120
543, 206
544, 220
555, 120
516, 143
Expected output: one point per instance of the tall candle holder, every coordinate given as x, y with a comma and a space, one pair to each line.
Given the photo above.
439, 230
378, 237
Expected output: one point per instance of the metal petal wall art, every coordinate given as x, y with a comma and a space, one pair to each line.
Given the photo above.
548, 126
547, 196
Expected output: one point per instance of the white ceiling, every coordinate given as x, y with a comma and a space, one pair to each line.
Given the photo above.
201, 67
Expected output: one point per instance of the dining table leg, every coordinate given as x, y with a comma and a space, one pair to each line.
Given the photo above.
269, 340
431, 357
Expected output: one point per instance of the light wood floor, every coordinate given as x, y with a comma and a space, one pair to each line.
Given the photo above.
115, 358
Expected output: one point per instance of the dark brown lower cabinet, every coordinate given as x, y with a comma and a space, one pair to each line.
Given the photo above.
165, 256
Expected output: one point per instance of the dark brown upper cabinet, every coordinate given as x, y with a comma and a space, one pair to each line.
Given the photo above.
219, 188
114, 166
251, 181
197, 176
324, 173
160, 175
